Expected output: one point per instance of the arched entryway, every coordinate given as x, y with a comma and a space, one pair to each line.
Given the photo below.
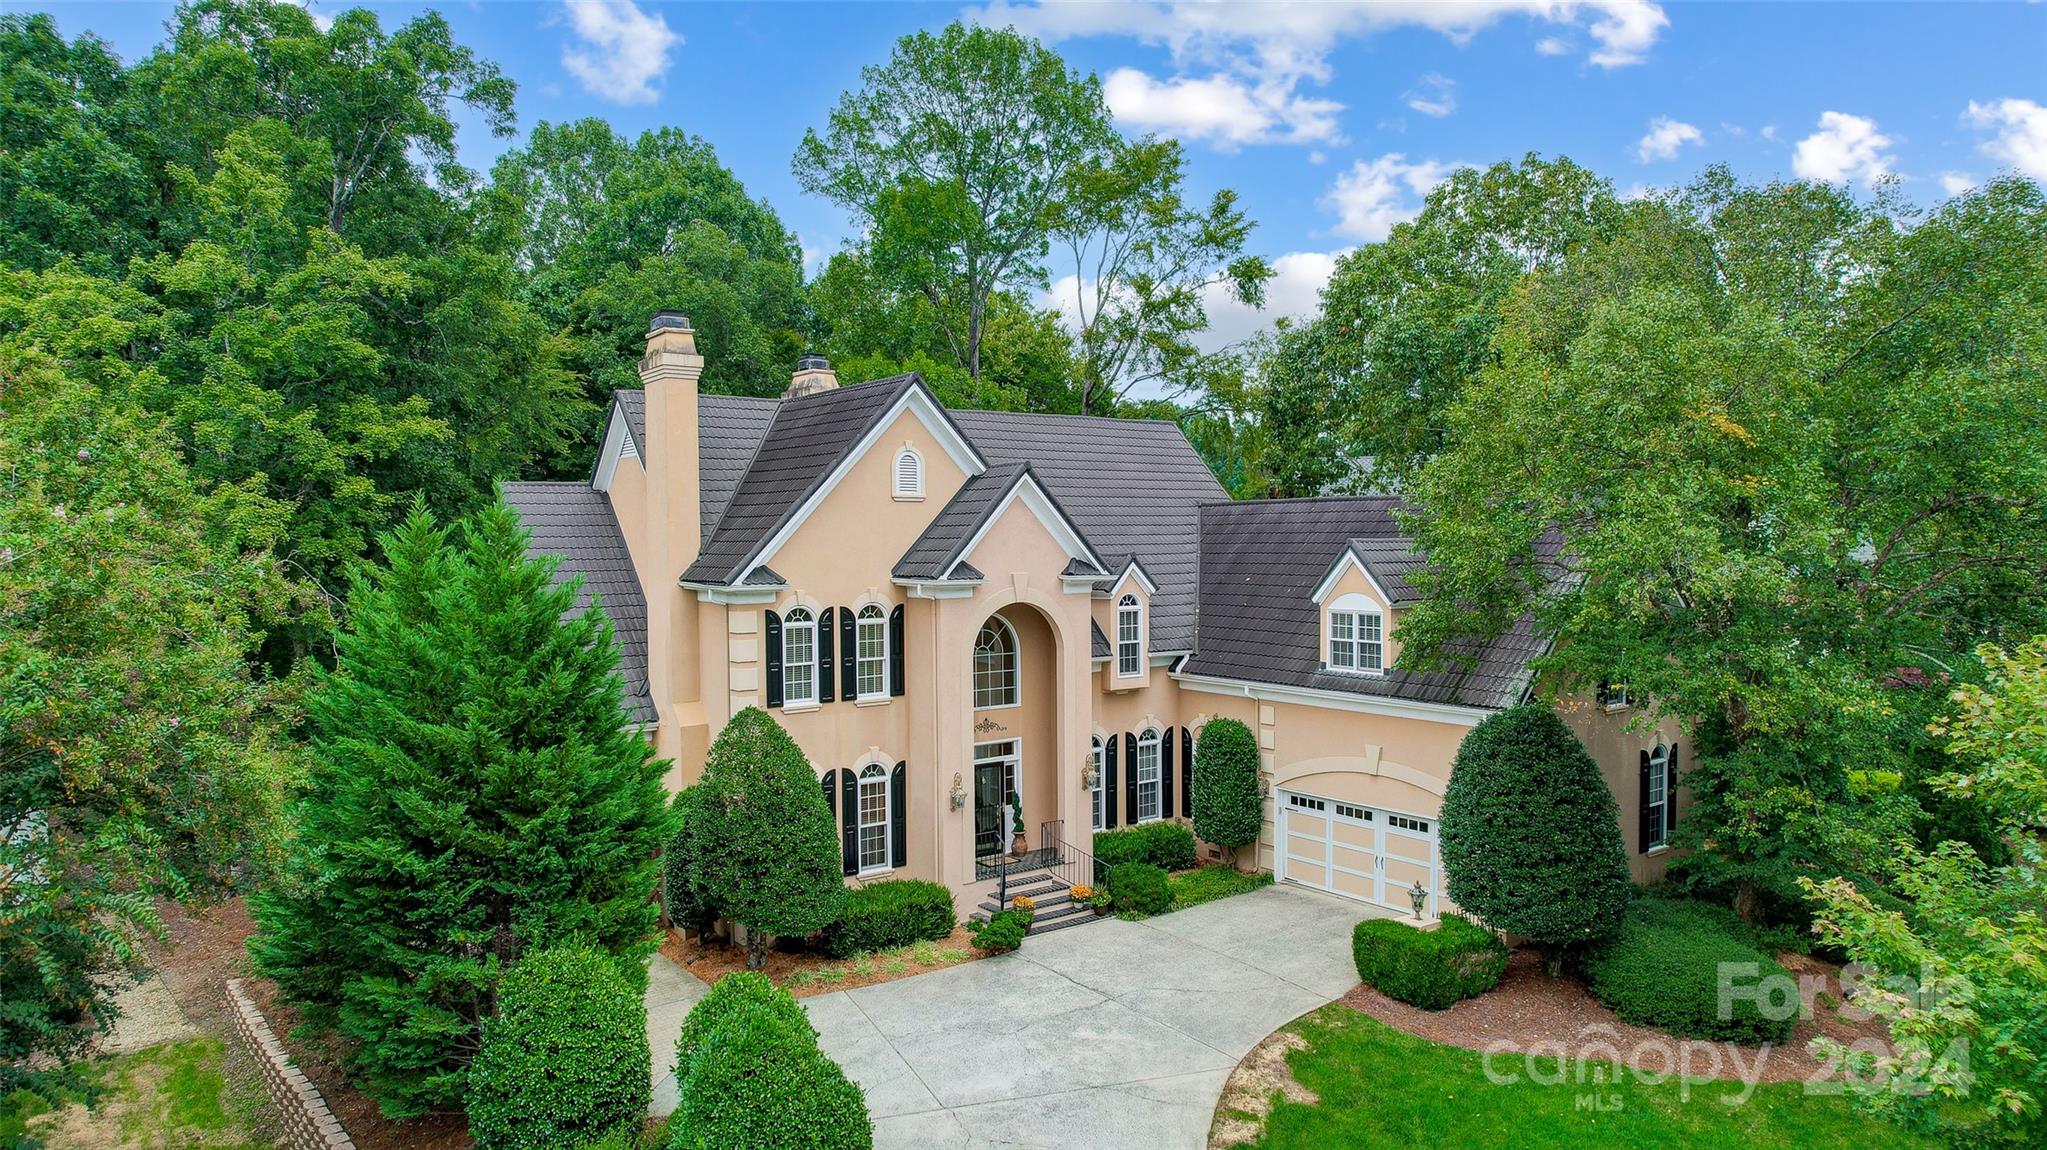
1015, 729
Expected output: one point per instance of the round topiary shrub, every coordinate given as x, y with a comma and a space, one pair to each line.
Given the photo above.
1228, 805
564, 1060
1531, 838
1002, 931
757, 1080
1431, 969
736, 992
885, 915
1139, 888
1663, 970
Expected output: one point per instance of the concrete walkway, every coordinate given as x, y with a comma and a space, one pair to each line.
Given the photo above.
1111, 1036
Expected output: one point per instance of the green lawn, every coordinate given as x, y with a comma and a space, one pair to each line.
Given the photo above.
1381, 1087
1206, 884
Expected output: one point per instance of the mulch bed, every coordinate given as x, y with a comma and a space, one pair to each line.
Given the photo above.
796, 970
1531, 1012
204, 950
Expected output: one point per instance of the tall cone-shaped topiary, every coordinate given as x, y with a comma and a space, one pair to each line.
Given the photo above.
775, 866
1228, 805
1531, 837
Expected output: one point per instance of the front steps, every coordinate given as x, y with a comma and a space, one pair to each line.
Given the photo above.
1056, 909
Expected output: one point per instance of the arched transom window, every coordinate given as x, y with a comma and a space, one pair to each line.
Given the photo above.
874, 815
1357, 635
995, 665
799, 657
1656, 799
1148, 775
1129, 636
1096, 751
872, 637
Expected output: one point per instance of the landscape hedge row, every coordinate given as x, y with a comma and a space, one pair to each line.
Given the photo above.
1431, 969
1663, 970
886, 915
1139, 887
1166, 845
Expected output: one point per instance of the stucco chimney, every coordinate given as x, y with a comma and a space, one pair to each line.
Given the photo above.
813, 374
669, 371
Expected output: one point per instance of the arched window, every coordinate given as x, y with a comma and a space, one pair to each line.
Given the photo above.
799, 657
1357, 639
909, 474
874, 815
872, 637
1148, 775
1096, 750
995, 665
1129, 636
1656, 799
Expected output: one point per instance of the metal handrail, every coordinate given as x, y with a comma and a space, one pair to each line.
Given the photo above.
1058, 858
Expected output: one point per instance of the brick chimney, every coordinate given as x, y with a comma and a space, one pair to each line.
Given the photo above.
813, 374
669, 371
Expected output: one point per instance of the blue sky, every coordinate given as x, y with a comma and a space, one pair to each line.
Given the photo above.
1330, 119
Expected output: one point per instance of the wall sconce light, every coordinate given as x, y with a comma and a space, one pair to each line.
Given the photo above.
959, 792
1090, 775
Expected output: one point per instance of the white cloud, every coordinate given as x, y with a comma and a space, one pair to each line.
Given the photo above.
1434, 96
1317, 156
1553, 46
1294, 292
1243, 63
1376, 194
2021, 139
1769, 132
623, 52
1223, 110
1844, 148
1955, 183
1665, 137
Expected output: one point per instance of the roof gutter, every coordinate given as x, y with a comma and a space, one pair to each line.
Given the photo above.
1451, 713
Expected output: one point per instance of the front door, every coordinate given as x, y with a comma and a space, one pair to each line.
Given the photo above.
994, 779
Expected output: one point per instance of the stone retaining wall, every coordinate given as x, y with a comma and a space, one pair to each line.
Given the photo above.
308, 1124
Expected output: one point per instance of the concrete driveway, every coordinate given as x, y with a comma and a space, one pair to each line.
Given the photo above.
1110, 1036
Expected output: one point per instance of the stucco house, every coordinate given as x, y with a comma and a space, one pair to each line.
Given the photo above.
943, 607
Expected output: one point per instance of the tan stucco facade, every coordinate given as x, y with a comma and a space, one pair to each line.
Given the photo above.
708, 658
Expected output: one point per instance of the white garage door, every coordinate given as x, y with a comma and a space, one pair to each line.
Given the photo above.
1364, 853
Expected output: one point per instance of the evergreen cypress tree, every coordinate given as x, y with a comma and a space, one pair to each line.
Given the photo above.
1531, 836
775, 868
475, 797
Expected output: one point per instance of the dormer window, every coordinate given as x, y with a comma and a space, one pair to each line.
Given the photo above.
1357, 636
909, 474
1129, 637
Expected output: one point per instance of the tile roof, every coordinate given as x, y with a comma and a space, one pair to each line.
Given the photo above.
1260, 562
1132, 486
946, 538
729, 430
1389, 560
1098, 641
574, 521
805, 442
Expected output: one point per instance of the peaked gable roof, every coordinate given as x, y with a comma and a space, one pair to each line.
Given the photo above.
960, 523
1261, 561
575, 522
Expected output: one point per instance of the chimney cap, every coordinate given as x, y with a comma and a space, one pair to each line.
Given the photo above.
668, 321
812, 361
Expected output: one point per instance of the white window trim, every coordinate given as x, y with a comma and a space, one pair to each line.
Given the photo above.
1101, 783
915, 490
861, 620
1357, 608
1134, 605
880, 774
1659, 772
1157, 784
809, 623
1016, 686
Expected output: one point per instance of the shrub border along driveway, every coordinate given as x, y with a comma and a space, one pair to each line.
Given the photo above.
1116, 1034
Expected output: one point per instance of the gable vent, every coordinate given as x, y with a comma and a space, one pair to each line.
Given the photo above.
627, 449
909, 474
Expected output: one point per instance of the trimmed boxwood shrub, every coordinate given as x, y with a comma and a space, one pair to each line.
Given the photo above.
1431, 969
565, 1059
758, 1079
1001, 931
686, 904
736, 992
1531, 837
1140, 888
1228, 805
1663, 971
1169, 846
885, 915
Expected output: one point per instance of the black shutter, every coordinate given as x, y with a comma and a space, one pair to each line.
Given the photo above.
1130, 775
831, 794
1186, 773
849, 827
849, 655
1642, 807
1109, 783
1166, 742
1670, 794
895, 650
825, 678
899, 816
771, 627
